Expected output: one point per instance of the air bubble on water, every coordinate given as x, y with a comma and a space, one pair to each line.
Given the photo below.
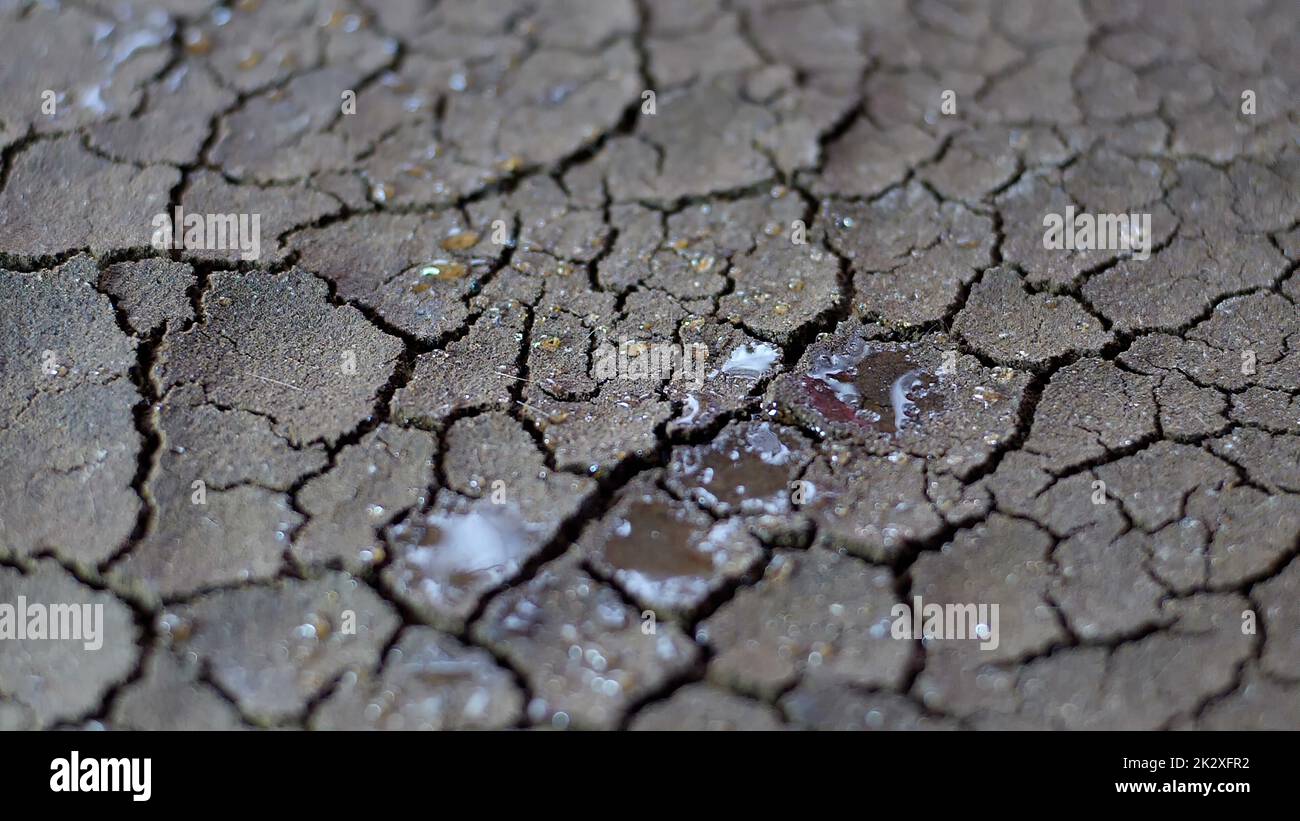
537, 709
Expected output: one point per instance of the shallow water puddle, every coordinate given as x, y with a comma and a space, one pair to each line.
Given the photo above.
658, 543
450, 558
884, 390
751, 360
754, 475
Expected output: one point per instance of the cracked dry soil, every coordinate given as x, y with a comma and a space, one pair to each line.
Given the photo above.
422, 507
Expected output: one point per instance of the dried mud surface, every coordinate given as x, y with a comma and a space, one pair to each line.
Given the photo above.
423, 506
